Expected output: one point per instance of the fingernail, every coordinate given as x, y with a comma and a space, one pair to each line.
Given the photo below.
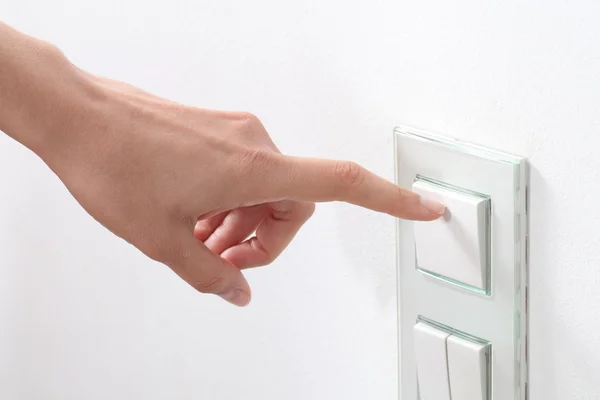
237, 297
433, 206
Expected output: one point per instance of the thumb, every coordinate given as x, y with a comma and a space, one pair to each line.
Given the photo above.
207, 272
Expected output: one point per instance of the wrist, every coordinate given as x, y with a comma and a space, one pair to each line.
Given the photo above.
41, 92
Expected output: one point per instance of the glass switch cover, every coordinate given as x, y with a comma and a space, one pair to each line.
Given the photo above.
496, 310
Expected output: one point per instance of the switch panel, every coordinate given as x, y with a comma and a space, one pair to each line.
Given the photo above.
432, 363
467, 369
455, 246
465, 275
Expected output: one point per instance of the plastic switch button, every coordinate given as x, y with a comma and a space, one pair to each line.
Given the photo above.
432, 362
455, 246
467, 366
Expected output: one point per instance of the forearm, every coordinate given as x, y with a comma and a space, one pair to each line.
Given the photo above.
39, 89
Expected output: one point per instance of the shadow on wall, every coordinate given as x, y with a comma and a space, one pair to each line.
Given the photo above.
539, 286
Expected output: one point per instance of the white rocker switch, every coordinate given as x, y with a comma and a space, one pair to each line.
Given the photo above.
467, 369
454, 246
432, 362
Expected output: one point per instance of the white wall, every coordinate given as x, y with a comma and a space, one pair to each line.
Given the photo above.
329, 78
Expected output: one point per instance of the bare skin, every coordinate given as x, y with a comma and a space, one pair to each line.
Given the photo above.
205, 192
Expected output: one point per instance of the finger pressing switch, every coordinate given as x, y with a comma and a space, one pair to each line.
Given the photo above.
456, 246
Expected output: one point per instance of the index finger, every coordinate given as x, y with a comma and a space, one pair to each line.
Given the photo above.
318, 180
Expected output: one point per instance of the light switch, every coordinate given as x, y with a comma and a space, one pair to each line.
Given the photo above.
465, 274
456, 245
467, 366
432, 362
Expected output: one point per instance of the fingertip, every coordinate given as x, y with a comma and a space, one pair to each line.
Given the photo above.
433, 207
237, 297
416, 208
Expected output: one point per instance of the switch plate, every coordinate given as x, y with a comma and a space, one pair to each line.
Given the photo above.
499, 315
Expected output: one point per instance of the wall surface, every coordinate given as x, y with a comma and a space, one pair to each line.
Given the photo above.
85, 316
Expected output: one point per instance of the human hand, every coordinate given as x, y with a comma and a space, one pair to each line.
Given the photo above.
189, 186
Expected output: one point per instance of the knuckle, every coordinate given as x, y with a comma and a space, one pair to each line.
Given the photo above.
282, 215
248, 117
400, 194
349, 174
256, 159
52, 54
266, 257
247, 125
252, 156
248, 121
310, 209
251, 168
399, 199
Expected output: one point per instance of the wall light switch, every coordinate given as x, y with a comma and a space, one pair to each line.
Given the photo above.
456, 245
450, 366
465, 274
432, 362
467, 369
